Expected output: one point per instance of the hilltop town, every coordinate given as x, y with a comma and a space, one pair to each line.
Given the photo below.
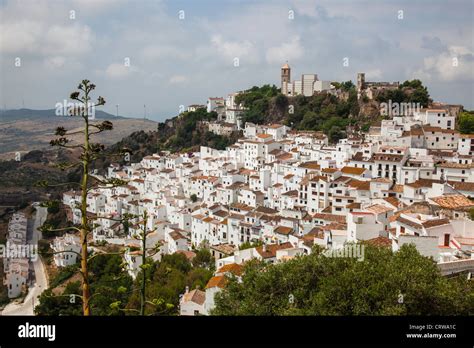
277, 192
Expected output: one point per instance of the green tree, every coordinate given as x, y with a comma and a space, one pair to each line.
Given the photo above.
466, 122
383, 283
168, 279
203, 259
310, 121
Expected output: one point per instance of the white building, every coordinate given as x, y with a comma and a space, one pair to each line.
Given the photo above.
66, 250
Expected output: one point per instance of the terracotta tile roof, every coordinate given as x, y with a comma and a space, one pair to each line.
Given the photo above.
233, 268
283, 230
189, 254
218, 281
196, 296
224, 248
176, 235
353, 170
266, 210
310, 165
291, 193
360, 185
330, 217
434, 223
409, 222
220, 213
462, 186
453, 202
394, 201
382, 180
456, 165
335, 226
264, 136
397, 188
380, 242
387, 157
379, 209
271, 249
423, 183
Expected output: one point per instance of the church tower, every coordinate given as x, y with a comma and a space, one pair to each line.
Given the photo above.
285, 78
360, 84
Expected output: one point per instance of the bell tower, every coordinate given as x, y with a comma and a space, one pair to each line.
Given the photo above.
285, 78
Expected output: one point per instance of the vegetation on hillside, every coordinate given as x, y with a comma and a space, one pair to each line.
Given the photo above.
323, 111
408, 92
108, 283
466, 122
183, 133
189, 132
383, 283
320, 112
257, 101
167, 280
114, 292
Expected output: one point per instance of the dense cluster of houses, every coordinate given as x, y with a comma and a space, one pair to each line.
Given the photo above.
281, 191
15, 261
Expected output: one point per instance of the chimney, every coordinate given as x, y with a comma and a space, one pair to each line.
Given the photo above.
264, 248
187, 290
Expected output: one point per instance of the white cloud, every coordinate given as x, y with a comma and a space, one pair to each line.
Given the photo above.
95, 6
374, 74
42, 28
234, 49
154, 52
178, 79
118, 71
55, 62
291, 50
69, 40
455, 64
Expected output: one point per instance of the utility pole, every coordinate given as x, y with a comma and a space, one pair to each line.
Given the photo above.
116, 105
144, 111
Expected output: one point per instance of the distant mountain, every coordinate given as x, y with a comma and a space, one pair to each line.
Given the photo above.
24, 130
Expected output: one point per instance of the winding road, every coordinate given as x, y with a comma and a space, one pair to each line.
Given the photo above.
41, 283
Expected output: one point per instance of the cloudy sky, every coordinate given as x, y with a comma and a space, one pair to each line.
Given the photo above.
181, 52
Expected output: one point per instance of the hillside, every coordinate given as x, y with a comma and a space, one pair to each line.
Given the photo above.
183, 133
26, 130
18, 178
324, 111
